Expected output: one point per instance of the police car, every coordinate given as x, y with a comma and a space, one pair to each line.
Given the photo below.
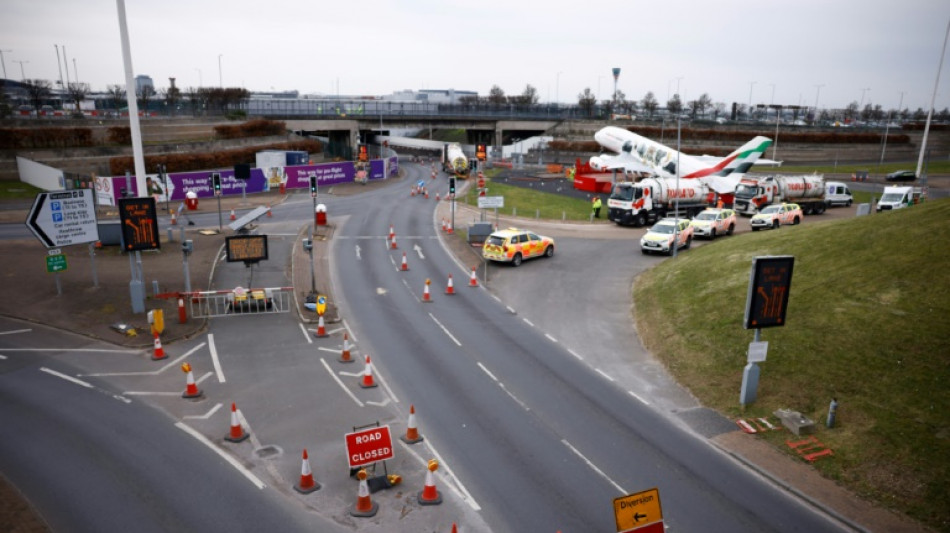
713, 222
513, 246
775, 215
660, 237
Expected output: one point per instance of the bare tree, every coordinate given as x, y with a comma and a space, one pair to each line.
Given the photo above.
172, 96
37, 91
851, 111
5, 108
145, 93
496, 95
674, 105
528, 97
117, 95
586, 101
77, 93
649, 104
701, 104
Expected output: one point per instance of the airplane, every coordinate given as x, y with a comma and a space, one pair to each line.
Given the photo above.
638, 155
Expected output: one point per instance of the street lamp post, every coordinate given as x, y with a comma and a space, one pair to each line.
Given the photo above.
751, 85
200, 79
22, 73
4, 63
557, 90
817, 92
220, 77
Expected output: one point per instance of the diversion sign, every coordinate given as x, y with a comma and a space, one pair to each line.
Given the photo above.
246, 248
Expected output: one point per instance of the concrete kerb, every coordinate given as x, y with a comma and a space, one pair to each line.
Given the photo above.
300, 262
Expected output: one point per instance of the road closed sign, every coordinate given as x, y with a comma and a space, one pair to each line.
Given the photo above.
367, 446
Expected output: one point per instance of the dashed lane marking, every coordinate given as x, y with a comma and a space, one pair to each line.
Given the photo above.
224, 455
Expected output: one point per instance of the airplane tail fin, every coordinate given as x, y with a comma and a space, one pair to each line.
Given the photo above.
724, 176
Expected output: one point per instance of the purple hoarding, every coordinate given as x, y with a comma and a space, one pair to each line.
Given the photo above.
328, 174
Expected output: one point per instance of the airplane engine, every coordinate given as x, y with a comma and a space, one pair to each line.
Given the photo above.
597, 163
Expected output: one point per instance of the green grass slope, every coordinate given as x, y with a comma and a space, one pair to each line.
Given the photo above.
868, 323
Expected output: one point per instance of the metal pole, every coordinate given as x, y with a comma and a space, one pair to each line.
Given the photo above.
677, 199
59, 287
58, 65
220, 219
184, 262
92, 262
4, 64
930, 113
137, 153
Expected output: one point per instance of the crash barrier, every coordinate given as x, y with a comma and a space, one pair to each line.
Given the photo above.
210, 304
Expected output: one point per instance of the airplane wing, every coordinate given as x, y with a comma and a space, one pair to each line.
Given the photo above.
620, 162
723, 184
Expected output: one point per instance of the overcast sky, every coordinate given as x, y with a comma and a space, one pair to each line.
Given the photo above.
854, 49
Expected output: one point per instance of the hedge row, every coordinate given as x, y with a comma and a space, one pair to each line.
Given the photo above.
19, 138
204, 161
741, 136
919, 126
253, 128
120, 135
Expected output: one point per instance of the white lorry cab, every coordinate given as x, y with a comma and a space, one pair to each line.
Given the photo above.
838, 193
899, 198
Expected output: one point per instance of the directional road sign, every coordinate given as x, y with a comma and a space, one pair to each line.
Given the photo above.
368, 446
64, 218
488, 202
55, 263
638, 512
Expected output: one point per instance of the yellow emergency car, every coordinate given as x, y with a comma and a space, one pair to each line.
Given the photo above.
513, 245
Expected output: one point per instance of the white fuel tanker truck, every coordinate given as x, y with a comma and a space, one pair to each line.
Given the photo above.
454, 160
755, 192
650, 199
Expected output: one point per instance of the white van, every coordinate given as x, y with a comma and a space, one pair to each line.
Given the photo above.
837, 193
899, 198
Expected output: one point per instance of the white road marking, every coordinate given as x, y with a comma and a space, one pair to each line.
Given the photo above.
350, 331
170, 364
550, 338
513, 397
511, 310
204, 377
446, 472
224, 455
2, 357
631, 393
444, 329
418, 250
594, 467
206, 415
340, 383
572, 352
14, 331
497, 299
331, 350
305, 335
528, 322
382, 380
154, 393
214, 358
358, 257
485, 370
606, 375
379, 404
334, 331
67, 378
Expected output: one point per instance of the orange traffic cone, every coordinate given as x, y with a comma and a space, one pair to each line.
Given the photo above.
405, 265
425, 292
191, 390
455, 528
345, 354
392, 233
443, 224
412, 433
321, 329
429, 495
233, 217
449, 228
392, 239
174, 219
307, 484
450, 289
368, 382
427, 193
365, 506
237, 433
269, 214
473, 282
436, 197
159, 352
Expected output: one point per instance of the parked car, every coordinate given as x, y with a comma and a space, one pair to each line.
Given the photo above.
901, 175
659, 238
513, 246
713, 222
838, 193
774, 216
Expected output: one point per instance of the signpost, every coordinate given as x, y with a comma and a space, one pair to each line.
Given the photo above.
368, 446
64, 218
55, 262
139, 222
766, 304
639, 512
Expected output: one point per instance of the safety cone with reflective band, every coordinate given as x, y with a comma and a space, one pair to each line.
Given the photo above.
392, 233
405, 265
233, 216
450, 288
393, 241
321, 328
237, 433
473, 282
306, 484
367, 382
427, 193
429, 495
412, 433
174, 219
444, 228
448, 228
425, 292
269, 214
455, 528
436, 197
365, 506
191, 390
159, 352
345, 354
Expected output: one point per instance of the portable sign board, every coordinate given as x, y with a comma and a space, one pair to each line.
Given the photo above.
64, 218
638, 511
139, 221
368, 446
247, 248
769, 285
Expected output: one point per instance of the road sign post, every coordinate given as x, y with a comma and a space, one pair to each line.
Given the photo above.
639, 512
766, 304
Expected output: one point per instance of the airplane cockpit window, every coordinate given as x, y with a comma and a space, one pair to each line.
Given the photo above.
670, 167
627, 147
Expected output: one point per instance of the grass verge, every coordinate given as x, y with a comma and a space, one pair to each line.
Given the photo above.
521, 201
867, 323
